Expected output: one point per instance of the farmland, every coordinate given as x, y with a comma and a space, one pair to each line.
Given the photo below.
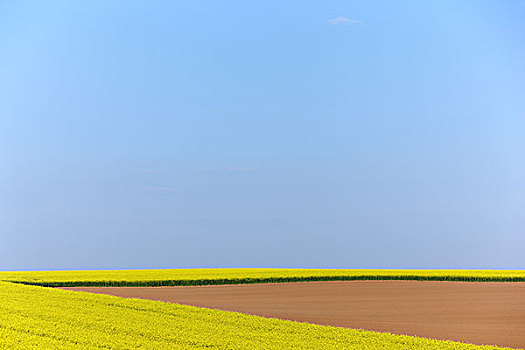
34, 317
174, 277
471, 312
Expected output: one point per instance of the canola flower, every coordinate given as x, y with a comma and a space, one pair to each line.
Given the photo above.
172, 277
34, 317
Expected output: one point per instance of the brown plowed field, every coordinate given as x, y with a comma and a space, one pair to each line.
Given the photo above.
480, 313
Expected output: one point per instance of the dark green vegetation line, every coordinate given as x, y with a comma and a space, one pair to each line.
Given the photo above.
202, 282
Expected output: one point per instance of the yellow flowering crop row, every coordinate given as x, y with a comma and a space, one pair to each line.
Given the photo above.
169, 277
33, 317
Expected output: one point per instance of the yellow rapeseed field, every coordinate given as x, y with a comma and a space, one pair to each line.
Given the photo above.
168, 277
33, 317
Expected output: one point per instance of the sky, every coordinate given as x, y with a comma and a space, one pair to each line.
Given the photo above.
344, 134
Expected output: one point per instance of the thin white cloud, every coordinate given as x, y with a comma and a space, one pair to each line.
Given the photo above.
211, 170
342, 20
159, 189
147, 171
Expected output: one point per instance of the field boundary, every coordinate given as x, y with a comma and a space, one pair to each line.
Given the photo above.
219, 281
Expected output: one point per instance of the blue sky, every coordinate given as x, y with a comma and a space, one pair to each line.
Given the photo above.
286, 134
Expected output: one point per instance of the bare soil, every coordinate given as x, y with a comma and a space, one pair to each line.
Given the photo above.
480, 313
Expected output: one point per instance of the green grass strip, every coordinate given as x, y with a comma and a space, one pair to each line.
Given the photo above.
194, 277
